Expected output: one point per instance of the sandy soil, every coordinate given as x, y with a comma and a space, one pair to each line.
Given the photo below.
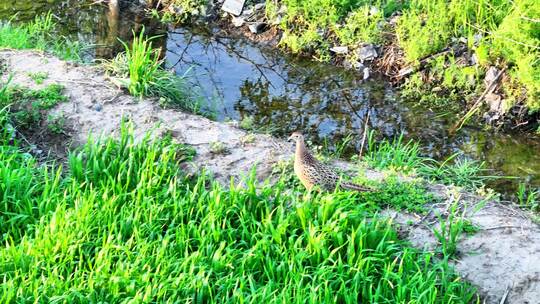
502, 258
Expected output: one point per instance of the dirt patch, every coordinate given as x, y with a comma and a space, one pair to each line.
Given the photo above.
503, 255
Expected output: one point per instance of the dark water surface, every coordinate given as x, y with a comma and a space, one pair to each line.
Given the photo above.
239, 79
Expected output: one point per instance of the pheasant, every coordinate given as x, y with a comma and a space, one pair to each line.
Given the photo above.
312, 173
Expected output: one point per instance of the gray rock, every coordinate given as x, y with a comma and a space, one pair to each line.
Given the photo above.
234, 7
277, 20
340, 50
238, 21
366, 53
354, 65
366, 73
491, 75
257, 27
259, 6
495, 102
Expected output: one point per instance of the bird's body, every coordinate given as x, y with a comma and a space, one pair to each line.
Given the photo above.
312, 172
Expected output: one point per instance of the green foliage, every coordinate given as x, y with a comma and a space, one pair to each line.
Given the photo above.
142, 65
450, 229
394, 154
462, 172
528, 198
182, 10
27, 107
56, 123
123, 224
410, 196
39, 34
517, 39
39, 77
492, 29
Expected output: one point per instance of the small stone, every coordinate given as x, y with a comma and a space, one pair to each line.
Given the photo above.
234, 7
257, 27
354, 65
277, 21
98, 107
238, 21
340, 50
366, 53
373, 10
494, 102
491, 75
248, 12
259, 6
366, 73
474, 59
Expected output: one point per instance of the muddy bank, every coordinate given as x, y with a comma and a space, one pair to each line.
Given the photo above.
502, 256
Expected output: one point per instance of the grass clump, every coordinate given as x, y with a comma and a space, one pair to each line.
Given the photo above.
462, 172
39, 77
39, 34
141, 72
396, 154
180, 11
528, 198
124, 224
28, 107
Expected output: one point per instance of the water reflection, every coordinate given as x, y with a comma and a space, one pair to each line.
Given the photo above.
240, 80
98, 25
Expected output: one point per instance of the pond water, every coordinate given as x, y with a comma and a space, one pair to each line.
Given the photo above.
240, 80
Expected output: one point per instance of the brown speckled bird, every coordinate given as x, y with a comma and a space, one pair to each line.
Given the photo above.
312, 173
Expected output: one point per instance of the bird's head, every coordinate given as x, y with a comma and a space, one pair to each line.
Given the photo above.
296, 136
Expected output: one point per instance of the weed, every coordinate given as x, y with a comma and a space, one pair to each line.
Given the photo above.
410, 196
39, 34
38, 77
248, 123
394, 154
450, 229
462, 172
528, 198
247, 139
28, 106
142, 68
56, 123
143, 64
181, 10
218, 147
123, 224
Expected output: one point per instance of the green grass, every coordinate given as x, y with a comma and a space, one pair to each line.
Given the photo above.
404, 156
395, 154
528, 198
179, 11
458, 171
40, 35
28, 107
498, 32
39, 77
141, 67
122, 223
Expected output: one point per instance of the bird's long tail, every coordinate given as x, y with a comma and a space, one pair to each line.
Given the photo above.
355, 187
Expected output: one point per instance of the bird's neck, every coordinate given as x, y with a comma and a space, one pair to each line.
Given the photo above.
301, 150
